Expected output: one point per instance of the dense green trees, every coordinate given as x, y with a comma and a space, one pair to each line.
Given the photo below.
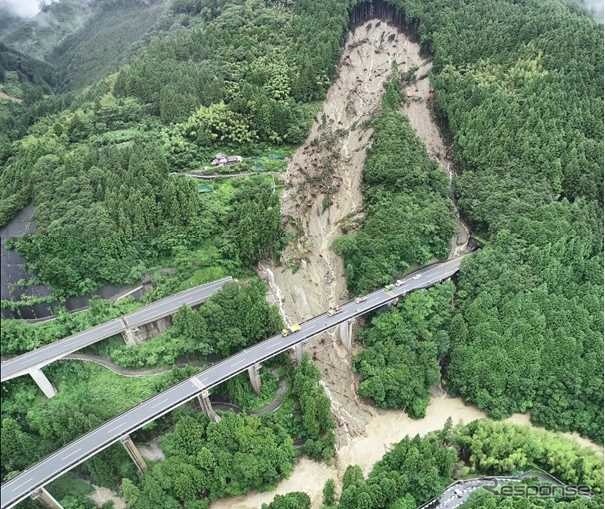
98, 212
329, 493
255, 57
314, 407
29, 70
529, 336
235, 318
408, 213
229, 321
519, 91
293, 500
402, 348
97, 170
17, 336
255, 222
206, 460
417, 469
104, 214
37, 426
413, 471
484, 500
519, 88
496, 448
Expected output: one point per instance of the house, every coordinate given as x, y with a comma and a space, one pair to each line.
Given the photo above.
222, 159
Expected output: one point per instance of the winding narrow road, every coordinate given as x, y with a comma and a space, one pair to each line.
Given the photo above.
120, 370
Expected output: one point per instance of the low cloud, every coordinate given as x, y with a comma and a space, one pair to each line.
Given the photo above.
595, 7
22, 8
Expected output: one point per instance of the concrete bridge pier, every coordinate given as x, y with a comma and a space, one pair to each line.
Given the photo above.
44, 383
345, 334
134, 453
206, 405
254, 374
129, 337
46, 499
298, 352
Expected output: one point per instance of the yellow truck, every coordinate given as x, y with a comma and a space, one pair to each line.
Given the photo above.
295, 327
334, 310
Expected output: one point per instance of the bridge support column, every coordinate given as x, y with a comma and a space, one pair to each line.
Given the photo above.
254, 374
298, 352
206, 405
46, 499
128, 334
134, 453
44, 383
345, 334
129, 337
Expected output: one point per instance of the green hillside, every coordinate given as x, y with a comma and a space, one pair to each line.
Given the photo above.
106, 40
121, 100
38, 36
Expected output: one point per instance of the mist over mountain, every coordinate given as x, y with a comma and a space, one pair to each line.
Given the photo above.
595, 7
38, 33
21, 8
83, 39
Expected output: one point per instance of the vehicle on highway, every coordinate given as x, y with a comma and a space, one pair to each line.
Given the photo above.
286, 331
359, 300
334, 310
399, 282
389, 287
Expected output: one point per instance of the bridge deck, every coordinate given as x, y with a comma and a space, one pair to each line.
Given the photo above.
109, 433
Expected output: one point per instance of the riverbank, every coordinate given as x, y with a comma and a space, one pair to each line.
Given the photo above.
384, 428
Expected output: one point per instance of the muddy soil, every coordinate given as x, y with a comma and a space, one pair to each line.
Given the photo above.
102, 496
322, 200
384, 428
418, 108
387, 427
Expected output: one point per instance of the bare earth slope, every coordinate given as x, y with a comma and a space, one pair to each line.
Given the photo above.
323, 195
418, 109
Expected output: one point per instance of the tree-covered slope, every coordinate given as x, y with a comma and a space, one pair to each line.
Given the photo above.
417, 469
409, 216
520, 88
39, 35
519, 91
109, 37
28, 70
243, 77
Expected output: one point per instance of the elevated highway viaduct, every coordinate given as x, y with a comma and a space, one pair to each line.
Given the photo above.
32, 481
31, 363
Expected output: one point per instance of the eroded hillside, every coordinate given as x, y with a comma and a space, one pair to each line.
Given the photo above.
323, 197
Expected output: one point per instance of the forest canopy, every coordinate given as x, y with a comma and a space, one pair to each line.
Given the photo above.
519, 91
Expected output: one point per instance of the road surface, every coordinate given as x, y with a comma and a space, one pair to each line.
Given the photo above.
112, 431
457, 493
40, 357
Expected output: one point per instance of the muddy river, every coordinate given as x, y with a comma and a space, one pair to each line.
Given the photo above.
383, 429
